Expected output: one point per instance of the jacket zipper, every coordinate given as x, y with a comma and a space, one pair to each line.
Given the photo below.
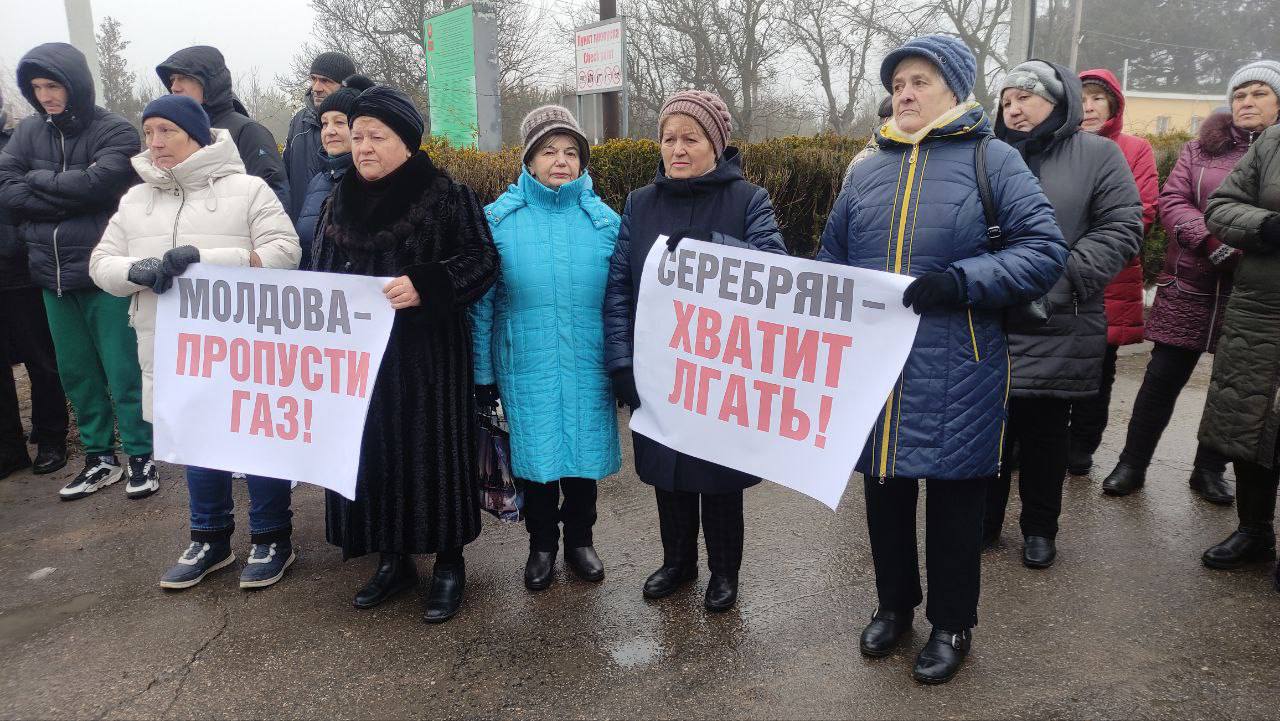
897, 268
57, 261
182, 203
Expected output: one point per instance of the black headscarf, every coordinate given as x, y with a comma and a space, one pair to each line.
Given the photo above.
393, 108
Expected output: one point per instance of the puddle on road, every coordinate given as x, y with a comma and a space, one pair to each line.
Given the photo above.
635, 652
27, 621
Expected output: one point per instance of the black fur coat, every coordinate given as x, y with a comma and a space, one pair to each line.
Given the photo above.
417, 490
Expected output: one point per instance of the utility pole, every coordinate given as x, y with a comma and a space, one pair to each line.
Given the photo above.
1075, 33
80, 29
1020, 21
610, 103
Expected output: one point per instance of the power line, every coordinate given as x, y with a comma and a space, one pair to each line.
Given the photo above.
1117, 38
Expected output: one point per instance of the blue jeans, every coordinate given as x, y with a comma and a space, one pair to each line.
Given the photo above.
212, 506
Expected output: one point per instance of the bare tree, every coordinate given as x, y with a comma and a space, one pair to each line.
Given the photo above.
14, 107
836, 39
266, 103
119, 83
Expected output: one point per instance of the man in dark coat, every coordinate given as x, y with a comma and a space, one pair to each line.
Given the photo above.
201, 73
61, 178
24, 338
303, 158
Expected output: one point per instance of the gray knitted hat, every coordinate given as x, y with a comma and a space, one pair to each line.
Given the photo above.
1262, 71
707, 109
1036, 77
550, 120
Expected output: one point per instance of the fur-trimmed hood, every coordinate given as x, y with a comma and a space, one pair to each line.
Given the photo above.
1218, 135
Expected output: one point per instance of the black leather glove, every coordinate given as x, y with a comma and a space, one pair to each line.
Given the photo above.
487, 396
1271, 231
624, 389
176, 261
147, 272
696, 233
932, 291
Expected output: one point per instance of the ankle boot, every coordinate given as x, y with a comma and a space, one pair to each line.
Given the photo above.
539, 570
664, 581
722, 593
445, 596
396, 573
1246, 545
886, 629
941, 658
1211, 486
585, 563
1124, 479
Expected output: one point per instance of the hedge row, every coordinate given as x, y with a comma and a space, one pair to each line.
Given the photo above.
802, 175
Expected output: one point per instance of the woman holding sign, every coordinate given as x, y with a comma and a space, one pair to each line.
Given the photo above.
197, 205
540, 343
699, 193
418, 487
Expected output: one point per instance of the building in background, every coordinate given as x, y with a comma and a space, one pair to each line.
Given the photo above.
1158, 113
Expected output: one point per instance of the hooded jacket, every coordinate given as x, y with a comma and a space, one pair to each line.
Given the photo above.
735, 212
946, 415
206, 201
257, 147
1196, 281
1124, 294
62, 176
1099, 211
1242, 411
303, 156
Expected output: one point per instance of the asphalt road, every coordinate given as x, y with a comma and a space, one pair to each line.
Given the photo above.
1128, 624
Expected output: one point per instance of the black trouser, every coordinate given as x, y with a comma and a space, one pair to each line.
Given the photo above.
449, 556
1039, 427
24, 338
1089, 415
1167, 373
1256, 488
723, 529
953, 547
543, 513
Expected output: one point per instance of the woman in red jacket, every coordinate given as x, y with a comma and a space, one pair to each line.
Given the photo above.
1104, 115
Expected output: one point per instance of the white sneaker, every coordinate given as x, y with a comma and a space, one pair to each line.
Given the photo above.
99, 472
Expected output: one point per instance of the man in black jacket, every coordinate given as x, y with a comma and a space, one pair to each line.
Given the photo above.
24, 338
61, 178
201, 73
303, 156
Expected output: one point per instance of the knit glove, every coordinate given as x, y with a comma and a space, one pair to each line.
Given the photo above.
624, 389
1271, 231
487, 396
679, 235
176, 261
147, 272
933, 291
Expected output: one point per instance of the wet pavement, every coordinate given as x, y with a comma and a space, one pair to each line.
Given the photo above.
1128, 624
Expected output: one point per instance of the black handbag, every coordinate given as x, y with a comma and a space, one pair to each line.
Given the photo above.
1027, 316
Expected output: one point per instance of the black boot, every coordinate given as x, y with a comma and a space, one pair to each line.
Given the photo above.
664, 581
585, 563
539, 570
942, 657
1079, 463
396, 573
1038, 552
13, 462
445, 596
1246, 545
50, 457
1211, 486
884, 632
1124, 479
722, 593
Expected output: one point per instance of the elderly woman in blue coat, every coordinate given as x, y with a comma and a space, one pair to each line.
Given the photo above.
914, 208
539, 341
699, 192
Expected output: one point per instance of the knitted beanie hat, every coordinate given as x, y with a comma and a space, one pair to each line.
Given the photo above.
546, 121
344, 98
707, 109
953, 59
183, 112
333, 65
1038, 78
1262, 71
393, 108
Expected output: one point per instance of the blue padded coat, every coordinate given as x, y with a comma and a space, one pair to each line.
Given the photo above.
539, 334
913, 208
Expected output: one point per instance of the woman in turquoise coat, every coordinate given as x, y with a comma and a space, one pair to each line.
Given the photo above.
539, 341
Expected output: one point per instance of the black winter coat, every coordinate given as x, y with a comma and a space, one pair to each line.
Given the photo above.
13, 254
62, 177
257, 146
1095, 199
738, 213
418, 486
303, 158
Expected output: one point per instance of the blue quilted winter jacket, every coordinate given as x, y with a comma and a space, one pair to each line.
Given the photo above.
539, 333
914, 208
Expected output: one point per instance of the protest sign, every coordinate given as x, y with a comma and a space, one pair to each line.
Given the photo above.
268, 372
772, 365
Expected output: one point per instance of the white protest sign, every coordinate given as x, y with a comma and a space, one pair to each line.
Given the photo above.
268, 372
772, 365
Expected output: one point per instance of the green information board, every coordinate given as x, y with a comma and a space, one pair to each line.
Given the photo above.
451, 76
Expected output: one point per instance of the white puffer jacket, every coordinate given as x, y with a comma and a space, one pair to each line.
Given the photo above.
206, 201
